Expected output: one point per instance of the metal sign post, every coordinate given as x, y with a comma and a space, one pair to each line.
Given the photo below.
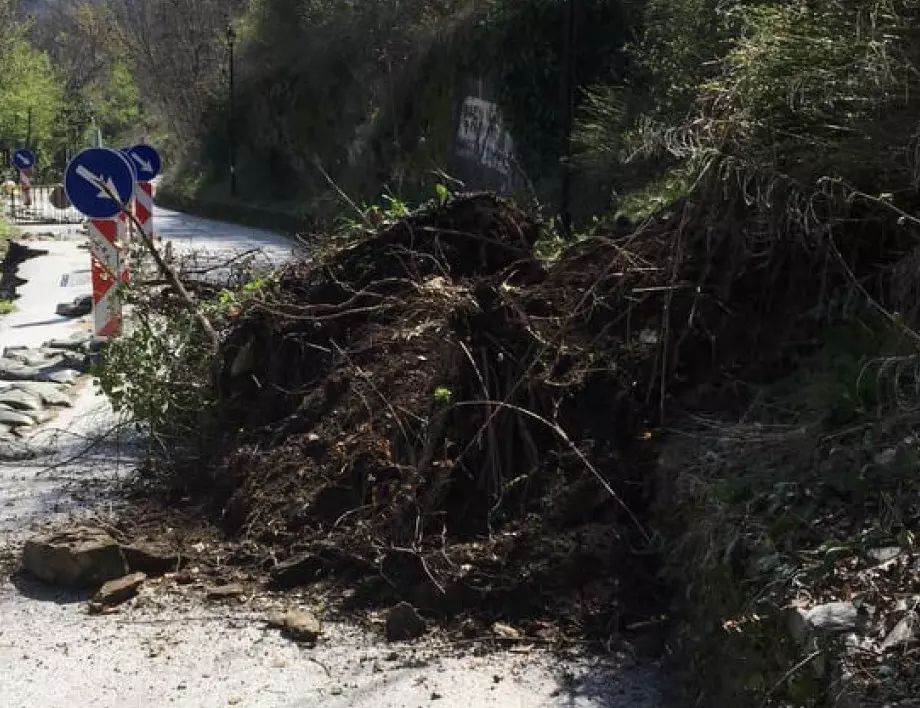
132, 206
100, 182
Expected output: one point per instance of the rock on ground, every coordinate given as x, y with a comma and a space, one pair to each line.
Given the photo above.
905, 633
404, 623
299, 625
833, 617
83, 557
225, 592
115, 592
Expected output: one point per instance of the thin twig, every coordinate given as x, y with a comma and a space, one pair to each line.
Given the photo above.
367, 379
865, 293
573, 447
348, 200
94, 444
786, 676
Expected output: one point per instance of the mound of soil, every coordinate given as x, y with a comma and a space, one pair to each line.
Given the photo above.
420, 413
438, 416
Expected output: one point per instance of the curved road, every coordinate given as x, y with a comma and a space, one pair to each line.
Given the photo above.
169, 647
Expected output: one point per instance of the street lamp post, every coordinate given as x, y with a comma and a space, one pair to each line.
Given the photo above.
231, 128
568, 70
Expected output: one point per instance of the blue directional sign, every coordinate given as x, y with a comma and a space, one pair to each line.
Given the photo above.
24, 159
147, 161
96, 175
127, 153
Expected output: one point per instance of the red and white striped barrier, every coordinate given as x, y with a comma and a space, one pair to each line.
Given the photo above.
25, 182
143, 207
109, 272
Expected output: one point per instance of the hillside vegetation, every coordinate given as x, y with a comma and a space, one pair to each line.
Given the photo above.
702, 407
62, 75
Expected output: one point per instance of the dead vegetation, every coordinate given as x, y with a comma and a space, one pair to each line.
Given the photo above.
406, 403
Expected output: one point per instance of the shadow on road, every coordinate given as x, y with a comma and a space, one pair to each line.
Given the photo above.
612, 685
26, 325
34, 589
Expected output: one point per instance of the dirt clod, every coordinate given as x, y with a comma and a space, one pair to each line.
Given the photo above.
300, 625
153, 559
404, 623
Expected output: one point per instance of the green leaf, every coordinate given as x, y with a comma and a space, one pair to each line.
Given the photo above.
443, 193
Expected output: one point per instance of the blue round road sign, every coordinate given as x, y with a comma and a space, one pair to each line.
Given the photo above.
90, 177
24, 159
147, 162
127, 153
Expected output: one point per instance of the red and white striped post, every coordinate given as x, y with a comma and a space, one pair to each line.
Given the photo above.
25, 181
110, 272
143, 208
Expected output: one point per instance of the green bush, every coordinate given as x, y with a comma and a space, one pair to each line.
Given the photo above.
775, 101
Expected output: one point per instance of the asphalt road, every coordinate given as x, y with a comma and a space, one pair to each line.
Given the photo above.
175, 649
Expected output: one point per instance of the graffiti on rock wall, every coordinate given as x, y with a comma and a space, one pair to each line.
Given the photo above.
482, 140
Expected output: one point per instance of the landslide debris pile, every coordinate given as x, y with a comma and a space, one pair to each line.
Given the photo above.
400, 408
441, 417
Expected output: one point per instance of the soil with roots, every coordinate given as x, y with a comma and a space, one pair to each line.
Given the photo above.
434, 414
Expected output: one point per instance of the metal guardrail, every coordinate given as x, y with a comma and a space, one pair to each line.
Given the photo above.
43, 208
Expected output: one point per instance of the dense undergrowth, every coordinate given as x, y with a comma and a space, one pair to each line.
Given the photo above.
368, 94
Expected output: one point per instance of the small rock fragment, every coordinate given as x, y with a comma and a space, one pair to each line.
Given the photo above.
833, 617
14, 419
883, 555
224, 592
302, 569
115, 592
185, 577
308, 567
300, 625
20, 400
905, 633
403, 622
505, 631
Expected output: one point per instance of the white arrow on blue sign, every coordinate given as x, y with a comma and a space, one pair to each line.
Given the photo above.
96, 175
147, 162
24, 159
127, 153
